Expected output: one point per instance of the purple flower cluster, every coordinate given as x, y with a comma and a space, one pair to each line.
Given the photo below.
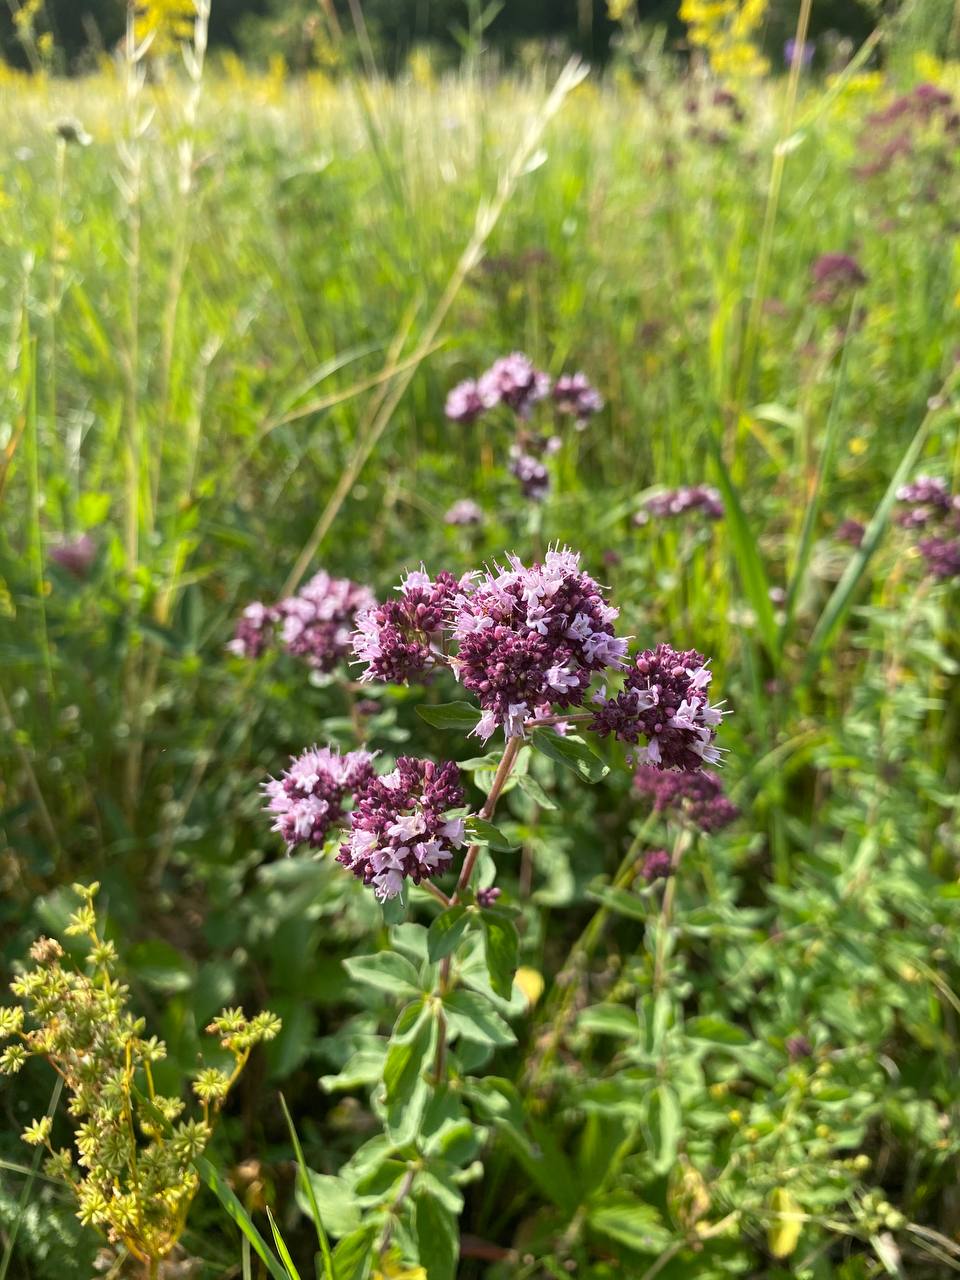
656, 865
664, 700
677, 502
574, 395
932, 508
402, 638
399, 827
76, 555
316, 624
698, 797
530, 639
466, 402
254, 630
533, 476
835, 276
514, 381
464, 512
307, 800
903, 125
851, 532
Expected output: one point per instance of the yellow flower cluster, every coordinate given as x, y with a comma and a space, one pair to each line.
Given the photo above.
167, 21
725, 30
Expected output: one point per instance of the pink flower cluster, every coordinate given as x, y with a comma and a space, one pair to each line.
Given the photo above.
678, 502
403, 639
400, 828
664, 700
531, 639
932, 508
515, 381
307, 800
316, 624
698, 796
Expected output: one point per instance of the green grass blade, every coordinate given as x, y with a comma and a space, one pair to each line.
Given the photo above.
235, 1210
841, 599
308, 1191
750, 566
24, 1200
815, 502
282, 1249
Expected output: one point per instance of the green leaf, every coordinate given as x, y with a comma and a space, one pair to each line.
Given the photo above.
450, 715
407, 1058
386, 971
238, 1214
664, 1121
480, 831
631, 1222
573, 753
308, 1190
161, 966
474, 1018
609, 1020
717, 1031
328, 1199
501, 945
623, 902
354, 1255
746, 552
282, 1249
532, 788
446, 931
438, 1239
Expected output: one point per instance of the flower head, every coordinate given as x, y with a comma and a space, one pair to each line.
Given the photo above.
76, 555
850, 532
512, 380
307, 800
464, 512
834, 276
533, 475
655, 866
928, 498
942, 557
467, 401
317, 623
664, 700
401, 639
530, 639
698, 796
254, 630
677, 502
573, 395
400, 828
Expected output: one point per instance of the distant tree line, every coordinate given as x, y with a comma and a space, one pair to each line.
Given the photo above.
296, 28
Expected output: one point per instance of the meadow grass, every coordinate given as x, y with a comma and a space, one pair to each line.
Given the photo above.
229, 325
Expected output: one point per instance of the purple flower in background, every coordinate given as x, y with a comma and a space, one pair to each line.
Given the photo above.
464, 512
664, 700
401, 639
807, 49
399, 827
530, 471
851, 532
928, 497
254, 630
698, 797
487, 897
677, 502
942, 557
834, 276
76, 555
798, 1047
308, 799
465, 402
317, 623
656, 865
573, 395
512, 380
532, 638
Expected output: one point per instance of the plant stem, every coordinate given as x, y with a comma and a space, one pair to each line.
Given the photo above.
504, 768
681, 844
